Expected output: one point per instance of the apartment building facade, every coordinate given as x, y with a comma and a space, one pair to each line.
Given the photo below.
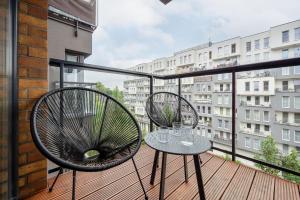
268, 101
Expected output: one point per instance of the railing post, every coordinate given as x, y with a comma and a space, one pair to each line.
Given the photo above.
61, 75
179, 93
233, 91
151, 92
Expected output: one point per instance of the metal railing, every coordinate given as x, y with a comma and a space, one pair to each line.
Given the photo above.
232, 70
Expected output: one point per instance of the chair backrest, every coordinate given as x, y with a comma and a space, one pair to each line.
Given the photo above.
164, 108
84, 129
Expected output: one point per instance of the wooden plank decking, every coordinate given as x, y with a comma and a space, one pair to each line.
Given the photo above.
222, 179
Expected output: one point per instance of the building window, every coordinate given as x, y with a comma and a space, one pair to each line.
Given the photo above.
228, 111
226, 76
203, 109
248, 125
297, 52
285, 54
266, 42
285, 102
297, 33
266, 55
208, 133
285, 36
226, 125
210, 55
266, 99
248, 114
266, 85
256, 85
220, 123
233, 48
227, 87
219, 99
256, 114
297, 69
297, 118
285, 149
226, 99
257, 56
285, 85
297, 102
209, 110
220, 76
248, 58
257, 44
285, 71
257, 100
256, 144
247, 86
220, 51
297, 136
226, 50
267, 128
203, 132
248, 46
248, 98
221, 87
247, 142
285, 117
286, 134
221, 111
257, 128
266, 116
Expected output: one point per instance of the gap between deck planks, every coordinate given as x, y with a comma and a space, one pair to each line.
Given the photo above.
222, 180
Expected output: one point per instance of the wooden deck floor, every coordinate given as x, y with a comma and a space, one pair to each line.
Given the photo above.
222, 179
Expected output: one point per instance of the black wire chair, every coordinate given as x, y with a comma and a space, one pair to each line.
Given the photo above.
164, 108
84, 130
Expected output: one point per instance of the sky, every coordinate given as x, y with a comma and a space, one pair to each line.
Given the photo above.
130, 32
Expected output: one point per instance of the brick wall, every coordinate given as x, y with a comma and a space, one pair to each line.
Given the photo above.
33, 82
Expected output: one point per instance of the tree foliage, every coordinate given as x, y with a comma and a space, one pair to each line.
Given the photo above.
116, 93
270, 154
291, 161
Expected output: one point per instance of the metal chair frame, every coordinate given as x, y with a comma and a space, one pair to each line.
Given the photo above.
67, 163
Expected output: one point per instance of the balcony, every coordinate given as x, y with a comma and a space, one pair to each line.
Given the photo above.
246, 103
218, 139
205, 101
285, 90
285, 122
222, 180
255, 132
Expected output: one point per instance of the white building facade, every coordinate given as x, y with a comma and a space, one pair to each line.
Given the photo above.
268, 101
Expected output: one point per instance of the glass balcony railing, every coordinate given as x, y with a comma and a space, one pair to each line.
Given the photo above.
223, 128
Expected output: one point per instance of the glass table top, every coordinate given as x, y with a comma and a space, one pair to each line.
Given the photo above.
176, 144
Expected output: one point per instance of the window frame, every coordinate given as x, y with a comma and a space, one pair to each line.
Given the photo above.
268, 116
295, 107
296, 141
289, 135
285, 39
249, 140
289, 102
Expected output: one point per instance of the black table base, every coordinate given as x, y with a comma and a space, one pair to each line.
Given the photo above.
163, 174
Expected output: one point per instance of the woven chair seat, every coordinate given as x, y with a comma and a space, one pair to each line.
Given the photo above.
84, 129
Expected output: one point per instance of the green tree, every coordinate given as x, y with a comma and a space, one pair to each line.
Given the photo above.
116, 93
291, 161
269, 154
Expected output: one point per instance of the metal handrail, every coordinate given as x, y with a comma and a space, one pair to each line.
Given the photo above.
233, 70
